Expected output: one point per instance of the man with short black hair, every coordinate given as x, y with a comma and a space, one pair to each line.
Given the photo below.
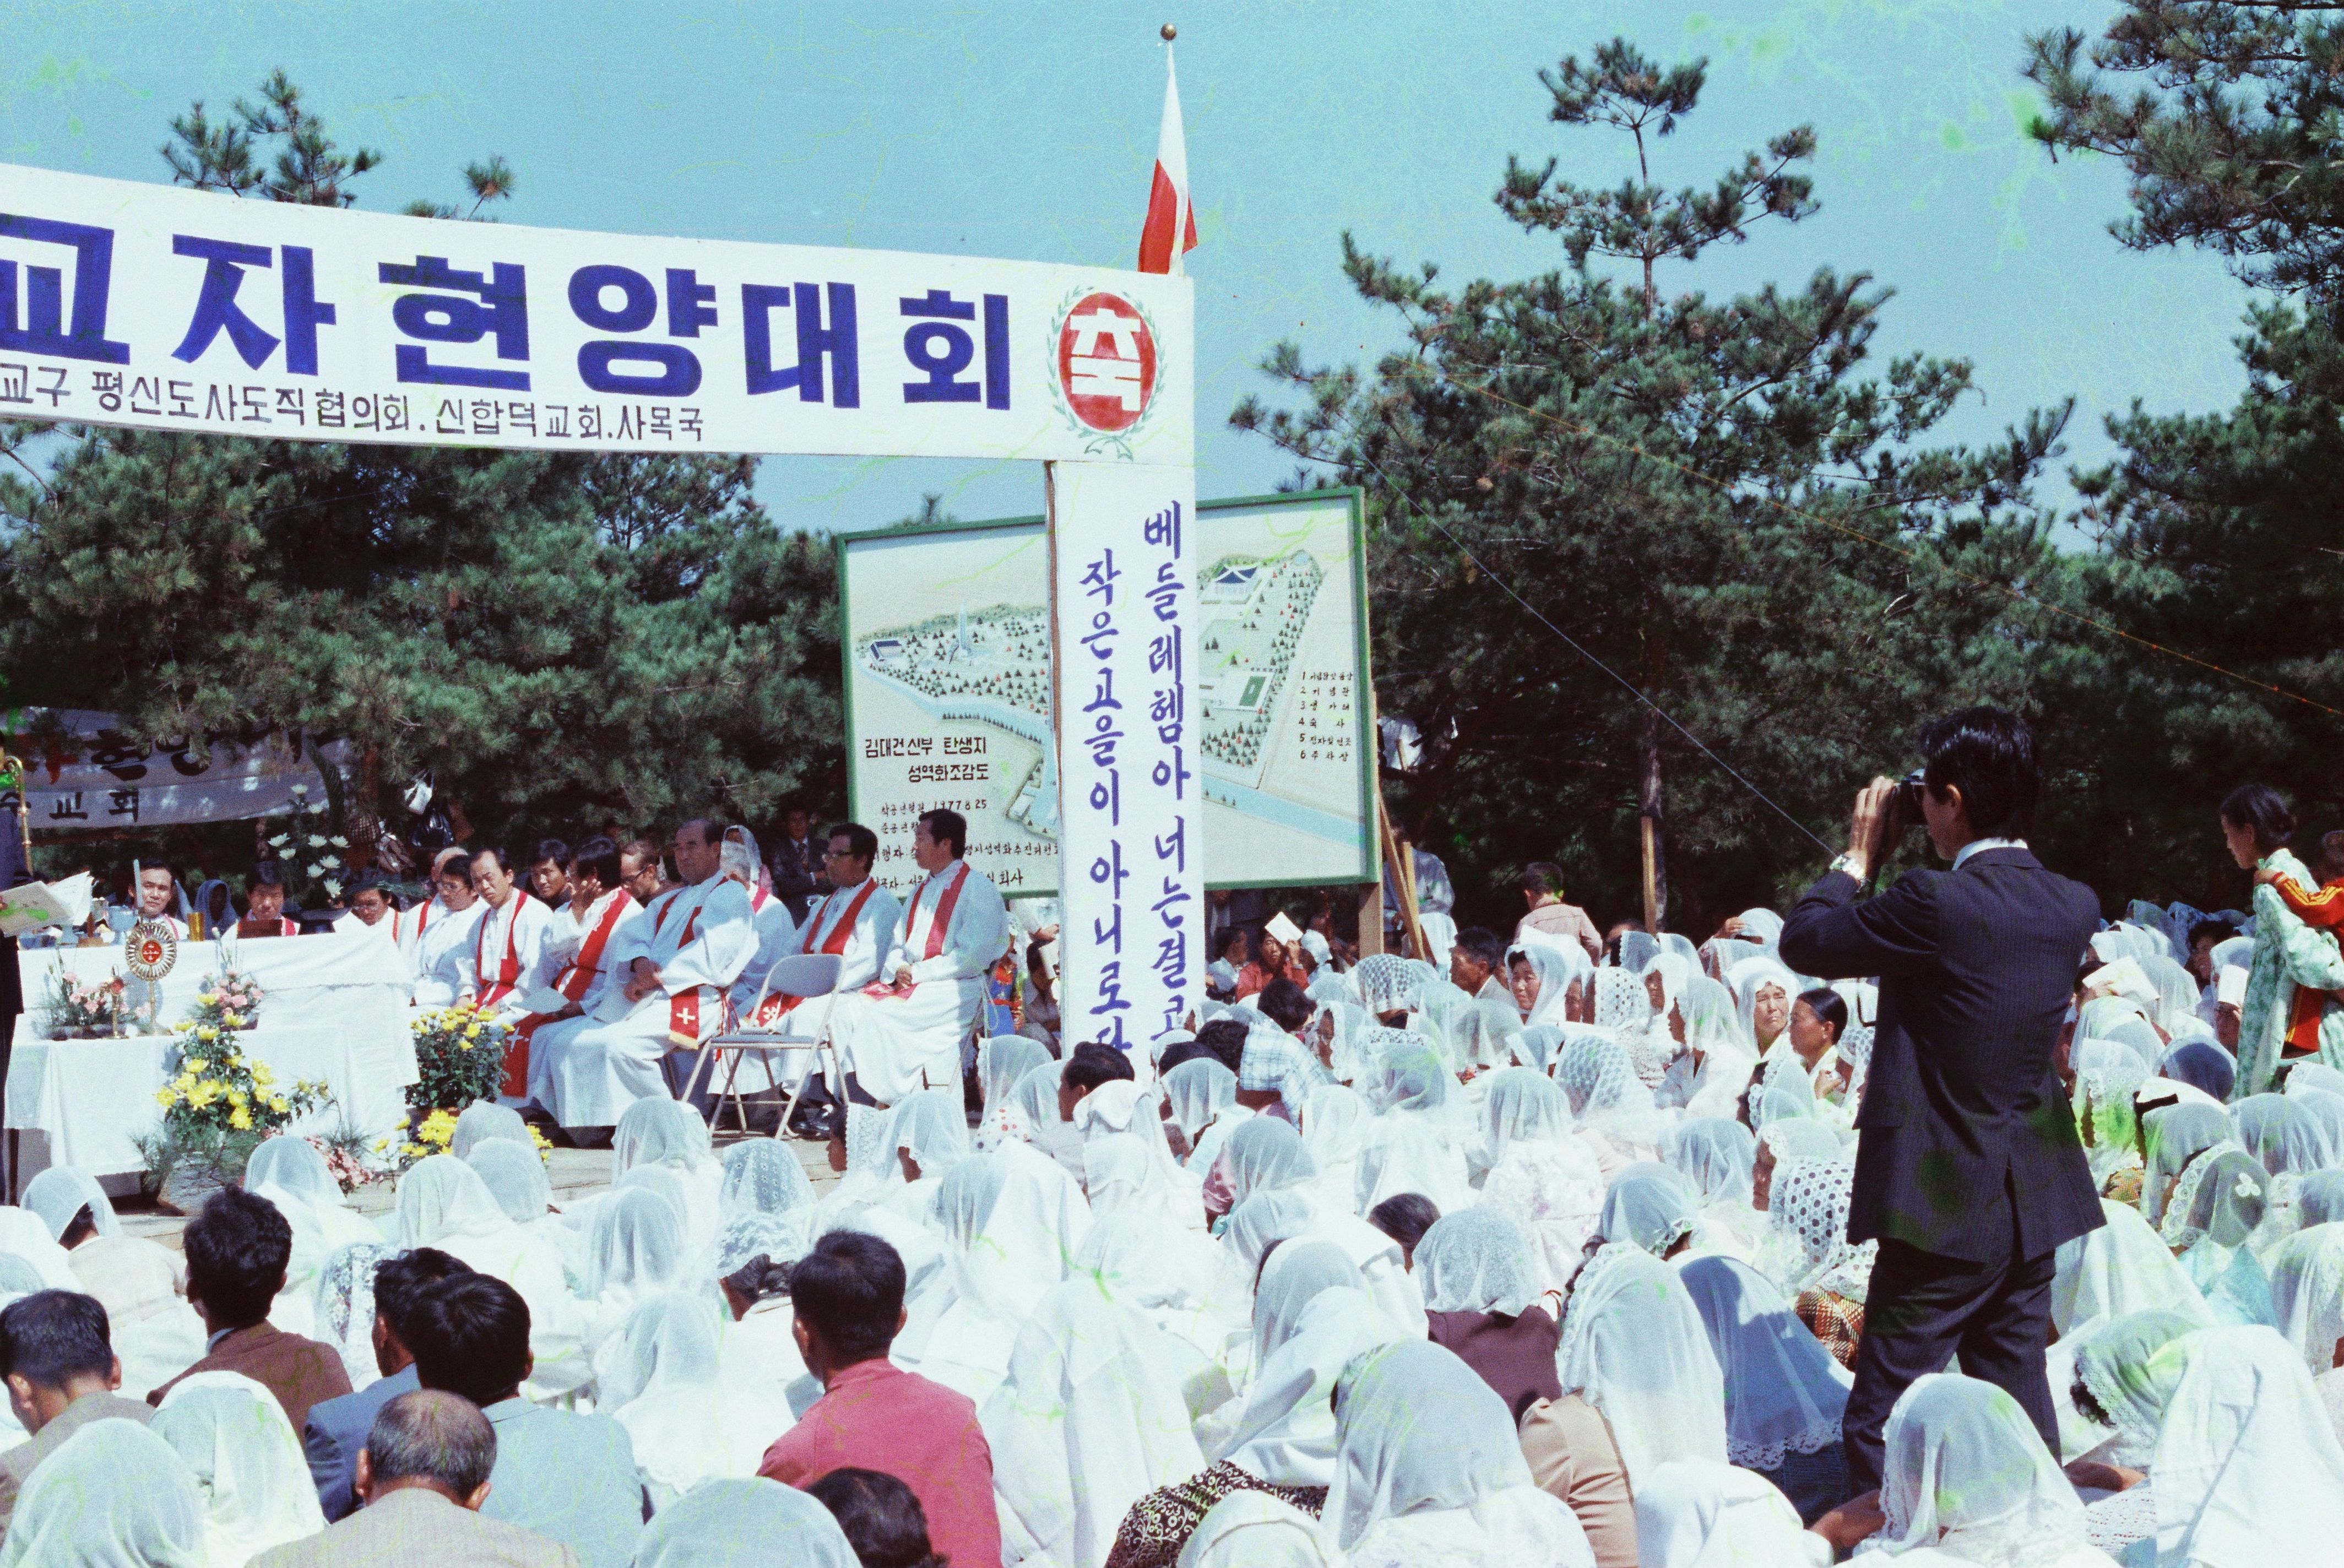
1274, 1058
1969, 1171
1476, 962
1226, 1038
337, 1429
848, 1297
62, 1373
1405, 1217
442, 950
570, 1478
237, 1251
549, 871
1092, 1064
370, 907
508, 942
158, 897
571, 961
264, 903
424, 1476
799, 873
906, 1035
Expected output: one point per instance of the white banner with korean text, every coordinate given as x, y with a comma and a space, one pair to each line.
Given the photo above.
151, 306
1131, 877
83, 772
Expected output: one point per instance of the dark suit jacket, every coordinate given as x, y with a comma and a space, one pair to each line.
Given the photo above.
1967, 1148
300, 1373
797, 872
338, 1428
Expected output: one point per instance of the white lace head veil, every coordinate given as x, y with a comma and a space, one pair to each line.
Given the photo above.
1966, 1471
2307, 1281
515, 1176
63, 1191
1558, 967
762, 1176
442, 1199
1783, 1390
2321, 1200
1200, 1089
2118, 1270
1389, 983
1716, 1154
344, 1304
1278, 1215
1521, 1104
720, 1523
289, 1172
932, 1126
659, 1131
247, 1464
2177, 1134
112, 1495
1595, 1070
488, 1119
1649, 1207
1635, 1348
1001, 1061
2129, 1366
1311, 1318
2248, 1466
1810, 1200
637, 1246
1698, 1513
1264, 1154
1418, 1431
748, 1237
1797, 1137
1476, 1260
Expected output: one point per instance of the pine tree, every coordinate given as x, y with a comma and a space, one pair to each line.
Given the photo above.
2219, 532
1694, 492
567, 641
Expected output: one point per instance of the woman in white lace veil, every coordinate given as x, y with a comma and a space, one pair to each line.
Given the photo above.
2247, 1469
1543, 975
442, 1202
1337, 1127
291, 1174
247, 1464
2176, 1135
1427, 1469
1635, 1348
485, 1120
1001, 1061
1718, 1155
1809, 1254
1966, 1472
1415, 1145
1612, 1106
762, 1176
757, 1521
1763, 991
1003, 1253
133, 1278
1691, 1512
1541, 1174
1785, 1395
636, 1250
669, 1133
662, 1377
112, 1495
754, 1258
2215, 1209
1650, 1208
2118, 1270
343, 1307
2307, 1280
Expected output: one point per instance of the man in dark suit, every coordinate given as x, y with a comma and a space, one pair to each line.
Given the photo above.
336, 1432
797, 866
1968, 1171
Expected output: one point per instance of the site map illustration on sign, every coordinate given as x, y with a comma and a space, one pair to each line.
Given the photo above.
949, 692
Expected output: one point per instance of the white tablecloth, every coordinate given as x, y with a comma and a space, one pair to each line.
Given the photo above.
332, 1007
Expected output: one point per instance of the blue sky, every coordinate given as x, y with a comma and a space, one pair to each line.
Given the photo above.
1028, 131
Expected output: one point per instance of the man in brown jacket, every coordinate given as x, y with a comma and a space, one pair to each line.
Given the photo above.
236, 1252
62, 1375
424, 1474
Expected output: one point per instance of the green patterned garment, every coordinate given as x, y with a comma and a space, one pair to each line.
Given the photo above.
2287, 954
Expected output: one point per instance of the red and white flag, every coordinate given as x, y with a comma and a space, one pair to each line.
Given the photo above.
1169, 211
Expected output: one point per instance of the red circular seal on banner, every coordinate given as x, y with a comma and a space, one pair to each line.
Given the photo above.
1107, 363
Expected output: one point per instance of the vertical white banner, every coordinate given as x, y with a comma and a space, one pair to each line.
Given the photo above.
1131, 875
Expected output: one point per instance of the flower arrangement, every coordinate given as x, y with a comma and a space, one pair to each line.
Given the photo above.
436, 1134
460, 1059
75, 1008
229, 1000
220, 1090
346, 1160
310, 850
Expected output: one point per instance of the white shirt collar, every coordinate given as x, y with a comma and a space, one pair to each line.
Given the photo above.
1979, 846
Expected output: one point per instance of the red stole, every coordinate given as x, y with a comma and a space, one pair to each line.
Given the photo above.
683, 1007
936, 927
573, 983
507, 972
769, 1012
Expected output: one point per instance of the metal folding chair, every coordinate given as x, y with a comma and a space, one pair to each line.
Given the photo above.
812, 976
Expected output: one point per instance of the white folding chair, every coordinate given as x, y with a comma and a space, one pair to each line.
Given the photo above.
814, 977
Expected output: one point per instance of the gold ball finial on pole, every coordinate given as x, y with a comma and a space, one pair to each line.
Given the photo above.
1168, 32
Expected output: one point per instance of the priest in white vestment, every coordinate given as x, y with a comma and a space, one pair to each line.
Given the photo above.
509, 939
442, 953
904, 1033
855, 921
670, 966
407, 925
574, 960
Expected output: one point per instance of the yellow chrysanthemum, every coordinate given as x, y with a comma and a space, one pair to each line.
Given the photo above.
471, 1031
207, 1034
261, 1075
196, 1064
240, 1119
280, 1104
165, 1097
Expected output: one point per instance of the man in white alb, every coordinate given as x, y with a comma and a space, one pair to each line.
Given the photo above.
510, 940
855, 920
904, 1033
158, 897
442, 953
572, 960
670, 964
407, 925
